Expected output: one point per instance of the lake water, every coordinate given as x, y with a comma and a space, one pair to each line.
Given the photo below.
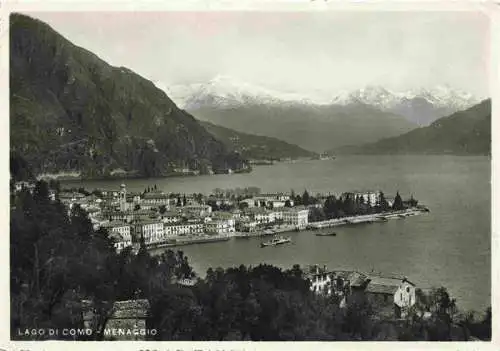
450, 246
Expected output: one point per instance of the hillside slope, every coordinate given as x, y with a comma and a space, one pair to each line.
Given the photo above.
462, 133
312, 127
71, 111
256, 147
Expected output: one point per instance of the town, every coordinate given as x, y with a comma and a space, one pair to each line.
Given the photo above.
160, 220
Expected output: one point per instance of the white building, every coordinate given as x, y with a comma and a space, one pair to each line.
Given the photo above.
246, 225
181, 229
225, 215
98, 222
197, 210
155, 199
18, 186
394, 294
270, 200
120, 232
369, 197
250, 202
151, 230
320, 280
404, 297
261, 215
297, 217
171, 218
222, 226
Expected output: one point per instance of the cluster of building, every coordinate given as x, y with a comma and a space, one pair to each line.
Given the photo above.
392, 295
157, 217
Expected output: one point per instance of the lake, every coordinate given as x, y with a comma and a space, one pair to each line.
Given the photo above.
450, 246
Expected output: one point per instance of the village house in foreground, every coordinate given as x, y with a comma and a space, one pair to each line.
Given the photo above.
393, 295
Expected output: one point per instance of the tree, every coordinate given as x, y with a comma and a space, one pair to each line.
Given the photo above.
163, 209
398, 203
184, 201
41, 193
383, 205
56, 262
288, 203
330, 207
55, 185
412, 202
179, 202
298, 200
316, 215
348, 205
306, 198
137, 207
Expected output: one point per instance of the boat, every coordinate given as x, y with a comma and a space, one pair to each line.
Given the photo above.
268, 232
401, 216
279, 240
326, 234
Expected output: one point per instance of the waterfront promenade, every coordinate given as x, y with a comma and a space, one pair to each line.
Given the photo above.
370, 218
277, 229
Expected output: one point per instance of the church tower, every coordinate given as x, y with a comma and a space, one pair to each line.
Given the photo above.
123, 198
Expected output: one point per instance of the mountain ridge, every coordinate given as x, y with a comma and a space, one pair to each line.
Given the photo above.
466, 132
256, 147
71, 111
421, 106
312, 127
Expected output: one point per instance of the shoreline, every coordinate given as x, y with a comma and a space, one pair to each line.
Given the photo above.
337, 222
370, 218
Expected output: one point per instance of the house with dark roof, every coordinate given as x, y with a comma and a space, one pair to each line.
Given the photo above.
391, 294
126, 319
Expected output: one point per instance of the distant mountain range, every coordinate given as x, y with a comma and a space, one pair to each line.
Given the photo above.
255, 147
318, 121
72, 112
421, 106
466, 132
312, 127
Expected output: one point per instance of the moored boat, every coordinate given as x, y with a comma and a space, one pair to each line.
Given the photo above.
279, 240
326, 234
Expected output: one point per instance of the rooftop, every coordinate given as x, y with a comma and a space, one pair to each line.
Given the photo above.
384, 285
294, 209
130, 309
115, 224
362, 191
148, 221
155, 195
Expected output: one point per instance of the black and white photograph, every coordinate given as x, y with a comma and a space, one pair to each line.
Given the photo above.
243, 175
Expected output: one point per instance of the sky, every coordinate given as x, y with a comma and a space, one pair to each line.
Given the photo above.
297, 52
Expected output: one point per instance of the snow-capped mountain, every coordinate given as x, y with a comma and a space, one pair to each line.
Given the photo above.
225, 91
440, 96
421, 106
